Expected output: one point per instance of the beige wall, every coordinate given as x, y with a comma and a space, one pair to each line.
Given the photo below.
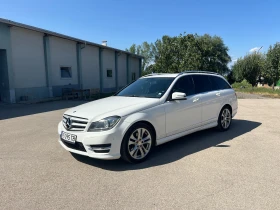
90, 67
29, 63
122, 70
108, 63
63, 53
28, 58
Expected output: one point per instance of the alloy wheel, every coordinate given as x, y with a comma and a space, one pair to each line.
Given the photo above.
139, 143
226, 118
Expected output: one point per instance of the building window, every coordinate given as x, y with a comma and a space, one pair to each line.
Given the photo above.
65, 72
109, 73
133, 76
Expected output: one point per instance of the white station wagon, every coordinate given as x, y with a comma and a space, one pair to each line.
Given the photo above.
154, 109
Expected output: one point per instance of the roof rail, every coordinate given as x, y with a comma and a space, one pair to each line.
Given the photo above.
152, 74
196, 71
183, 72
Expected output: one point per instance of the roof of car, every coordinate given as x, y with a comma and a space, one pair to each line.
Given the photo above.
178, 74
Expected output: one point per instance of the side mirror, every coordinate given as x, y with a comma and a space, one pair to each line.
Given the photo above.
178, 96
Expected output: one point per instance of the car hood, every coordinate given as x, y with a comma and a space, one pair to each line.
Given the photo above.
114, 105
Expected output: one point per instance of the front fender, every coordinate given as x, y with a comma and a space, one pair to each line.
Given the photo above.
155, 116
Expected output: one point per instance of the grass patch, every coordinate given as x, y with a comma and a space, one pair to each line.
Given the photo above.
245, 87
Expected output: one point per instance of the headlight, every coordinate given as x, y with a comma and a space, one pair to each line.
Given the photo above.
104, 124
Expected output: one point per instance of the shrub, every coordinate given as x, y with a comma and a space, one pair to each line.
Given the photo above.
243, 84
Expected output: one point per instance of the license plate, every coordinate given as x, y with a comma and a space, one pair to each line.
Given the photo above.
71, 138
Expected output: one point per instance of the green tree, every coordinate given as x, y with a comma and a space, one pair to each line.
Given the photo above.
184, 52
145, 49
176, 54
214, 54
132, 49
272, 70
254, 64
230, 78
237, 70
250, 67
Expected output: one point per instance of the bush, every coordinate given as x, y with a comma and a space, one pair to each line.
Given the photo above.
245, 87
243, 84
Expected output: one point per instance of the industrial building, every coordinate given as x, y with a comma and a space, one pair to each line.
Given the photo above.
37, 64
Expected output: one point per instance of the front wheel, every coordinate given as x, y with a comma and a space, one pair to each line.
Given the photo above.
224, 120
137, 143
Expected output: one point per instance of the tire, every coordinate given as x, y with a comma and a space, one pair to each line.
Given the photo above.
224, 120
136, 148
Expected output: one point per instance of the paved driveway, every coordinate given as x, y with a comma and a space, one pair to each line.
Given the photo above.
238, 169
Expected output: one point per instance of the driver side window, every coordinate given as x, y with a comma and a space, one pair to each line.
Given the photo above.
184, 85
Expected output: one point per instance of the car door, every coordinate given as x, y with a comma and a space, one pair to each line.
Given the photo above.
182, 115
223, 88
223, 91
210, 97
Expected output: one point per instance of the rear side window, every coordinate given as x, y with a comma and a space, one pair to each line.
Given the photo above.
184, 85
219, 83
202, 83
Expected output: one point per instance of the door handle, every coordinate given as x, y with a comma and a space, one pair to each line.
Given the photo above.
195, 100
218, 94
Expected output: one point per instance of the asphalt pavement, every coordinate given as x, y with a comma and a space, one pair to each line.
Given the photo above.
237, 169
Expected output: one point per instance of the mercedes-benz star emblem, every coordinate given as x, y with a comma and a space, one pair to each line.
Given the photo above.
68, 123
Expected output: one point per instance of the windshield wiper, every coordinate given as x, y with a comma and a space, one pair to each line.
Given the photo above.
137, 96
133, 96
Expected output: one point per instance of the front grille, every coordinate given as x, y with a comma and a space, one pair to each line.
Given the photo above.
77, 146
77, 123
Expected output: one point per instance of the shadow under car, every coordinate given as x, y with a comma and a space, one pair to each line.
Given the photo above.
178, 148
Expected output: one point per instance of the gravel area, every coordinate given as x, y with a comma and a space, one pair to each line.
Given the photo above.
249, 96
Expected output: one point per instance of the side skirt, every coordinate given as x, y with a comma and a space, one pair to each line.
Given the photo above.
178, 135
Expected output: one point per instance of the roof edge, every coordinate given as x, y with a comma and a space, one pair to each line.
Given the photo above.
20, 25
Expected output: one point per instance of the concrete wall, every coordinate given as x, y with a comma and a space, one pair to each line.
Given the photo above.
29, 61
62, 53
6, 76
28, 64
90, 67
28, 58
108, 62
122, 70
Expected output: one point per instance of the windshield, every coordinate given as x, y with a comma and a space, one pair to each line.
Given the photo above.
154, 87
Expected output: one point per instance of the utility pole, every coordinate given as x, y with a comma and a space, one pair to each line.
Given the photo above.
260, 49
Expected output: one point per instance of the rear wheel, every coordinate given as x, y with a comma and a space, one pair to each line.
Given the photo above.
137, 143
224, 120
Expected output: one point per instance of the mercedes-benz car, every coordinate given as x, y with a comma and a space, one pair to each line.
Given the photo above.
152, 110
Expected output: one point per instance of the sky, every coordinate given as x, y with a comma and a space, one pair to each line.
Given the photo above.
244, 25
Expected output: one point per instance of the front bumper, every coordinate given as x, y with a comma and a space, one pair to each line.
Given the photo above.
100, 145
